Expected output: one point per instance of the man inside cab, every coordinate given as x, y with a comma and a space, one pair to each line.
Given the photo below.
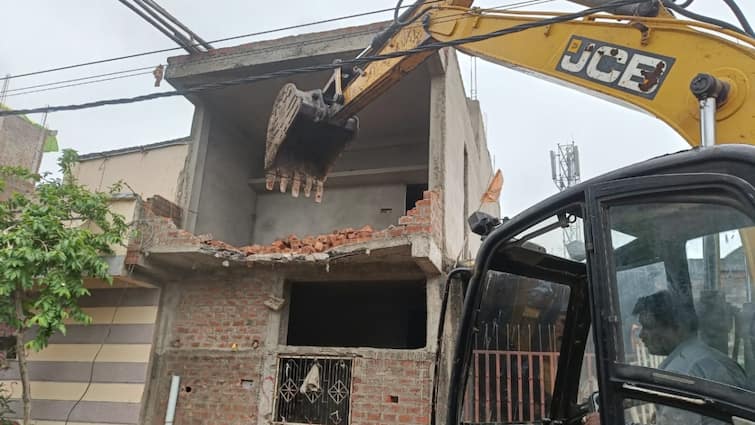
669, 328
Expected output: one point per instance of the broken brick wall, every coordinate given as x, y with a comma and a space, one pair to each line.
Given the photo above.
159, 221
161, 207
425, 217
158, 224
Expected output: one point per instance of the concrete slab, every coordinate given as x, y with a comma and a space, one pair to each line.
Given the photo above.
186, 70
417, 249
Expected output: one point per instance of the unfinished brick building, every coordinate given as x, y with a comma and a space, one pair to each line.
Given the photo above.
277, 309
22, 143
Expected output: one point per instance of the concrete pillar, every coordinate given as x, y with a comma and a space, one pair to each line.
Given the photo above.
190, 194
275, 322
434, 291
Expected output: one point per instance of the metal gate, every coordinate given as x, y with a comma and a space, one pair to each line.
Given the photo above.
313, 390
510, 386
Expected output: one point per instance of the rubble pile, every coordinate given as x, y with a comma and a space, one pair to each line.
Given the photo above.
312, 244
418, 219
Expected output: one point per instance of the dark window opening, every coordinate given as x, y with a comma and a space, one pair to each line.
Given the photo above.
358, 314
8, 347
414, 194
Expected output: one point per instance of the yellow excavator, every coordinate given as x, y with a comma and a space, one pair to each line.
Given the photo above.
651, 319
645, 58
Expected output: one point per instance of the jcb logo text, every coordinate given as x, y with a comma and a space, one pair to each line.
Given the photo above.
633, 71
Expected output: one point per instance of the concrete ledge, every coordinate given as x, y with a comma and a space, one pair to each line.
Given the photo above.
421, 354
427, 254
419, 249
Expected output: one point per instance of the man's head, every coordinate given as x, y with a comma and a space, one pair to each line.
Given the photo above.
540, 296
665, 322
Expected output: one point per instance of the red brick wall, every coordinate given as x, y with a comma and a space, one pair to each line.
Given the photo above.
208, 318
158, 225
162, 207
216, 396
389, 386
215, 315
376, 381
426, 216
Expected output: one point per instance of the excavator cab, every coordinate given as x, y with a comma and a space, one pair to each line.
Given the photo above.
651, 323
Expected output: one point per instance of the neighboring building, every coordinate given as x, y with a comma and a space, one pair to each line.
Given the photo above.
248, 295
22, 143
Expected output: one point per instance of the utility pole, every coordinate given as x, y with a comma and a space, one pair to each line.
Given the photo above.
565, 173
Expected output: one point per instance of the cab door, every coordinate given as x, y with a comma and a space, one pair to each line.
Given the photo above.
525, 321
672, 299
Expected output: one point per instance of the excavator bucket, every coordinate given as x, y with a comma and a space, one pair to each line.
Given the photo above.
302, 144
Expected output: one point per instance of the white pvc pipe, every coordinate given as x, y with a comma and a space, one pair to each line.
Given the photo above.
170, 413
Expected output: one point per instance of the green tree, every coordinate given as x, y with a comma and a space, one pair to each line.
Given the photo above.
5, 409
50, 241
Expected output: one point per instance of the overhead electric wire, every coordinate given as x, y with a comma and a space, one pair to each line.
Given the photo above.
314, 40
80, 84
21, 90
220, 40
55, 83
324, 67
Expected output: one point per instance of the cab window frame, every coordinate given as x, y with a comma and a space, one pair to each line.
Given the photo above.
617, 380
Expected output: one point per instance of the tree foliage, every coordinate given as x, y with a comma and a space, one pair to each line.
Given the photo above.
5, 409
51, 240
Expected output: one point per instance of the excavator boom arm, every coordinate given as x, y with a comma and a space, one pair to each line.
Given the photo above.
643, 63
646, 63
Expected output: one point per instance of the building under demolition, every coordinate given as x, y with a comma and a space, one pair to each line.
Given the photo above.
235, 304
270, 308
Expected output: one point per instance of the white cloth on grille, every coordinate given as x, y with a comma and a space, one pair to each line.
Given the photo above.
312, 380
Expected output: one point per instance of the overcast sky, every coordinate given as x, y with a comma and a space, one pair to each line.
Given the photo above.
525, 117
